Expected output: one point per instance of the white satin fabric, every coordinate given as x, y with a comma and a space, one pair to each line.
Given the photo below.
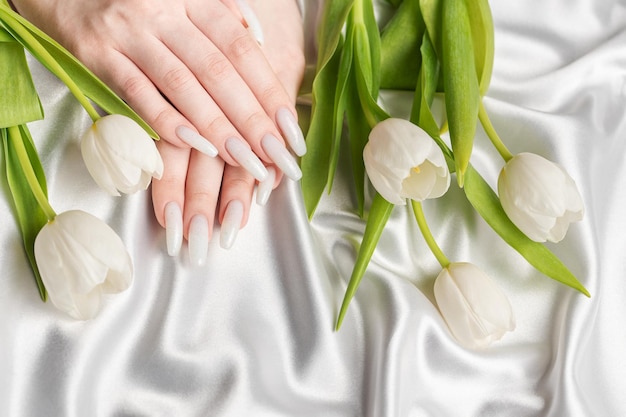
251, 333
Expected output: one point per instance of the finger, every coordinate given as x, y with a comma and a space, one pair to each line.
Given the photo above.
242, 50
168, 198
134, 87
175, 80
235, 200
204, 178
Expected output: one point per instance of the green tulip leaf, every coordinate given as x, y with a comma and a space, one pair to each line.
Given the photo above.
29, 214
483, 41
340, 102
377, 219
487, 204
39, 45
315, 163
400, 42
5, 36
460, 82
20, 102
431, 13
421, 113
330, 28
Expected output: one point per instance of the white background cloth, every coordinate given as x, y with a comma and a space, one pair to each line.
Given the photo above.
251, 333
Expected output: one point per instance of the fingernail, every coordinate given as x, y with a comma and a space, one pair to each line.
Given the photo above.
196, 141
198, 240
291, 131
231, 223
264, 189
254, 26
173, 228
246, 158
281, 157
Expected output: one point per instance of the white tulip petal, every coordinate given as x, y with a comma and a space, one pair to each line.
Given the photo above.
86, 306
402, 161
475, 309
539, 197
96, 165
120, 155
79, 257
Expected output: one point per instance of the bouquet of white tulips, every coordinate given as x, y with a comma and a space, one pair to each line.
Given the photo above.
443, 47
75, 257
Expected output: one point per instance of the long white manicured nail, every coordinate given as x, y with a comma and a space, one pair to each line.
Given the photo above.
246, 158
198, 239
231, 223
173, 228
281, 157
254, 26
196, 141
291, 131
264, 189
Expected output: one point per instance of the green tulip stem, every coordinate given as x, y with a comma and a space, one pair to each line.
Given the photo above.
50, 62
492, 134
22, 156
428, 236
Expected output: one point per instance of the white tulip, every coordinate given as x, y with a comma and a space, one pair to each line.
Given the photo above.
402, 161
120, 155
80, 258
475, 309
539, 197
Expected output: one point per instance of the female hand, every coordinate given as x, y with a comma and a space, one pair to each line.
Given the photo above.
192, 191
189, 68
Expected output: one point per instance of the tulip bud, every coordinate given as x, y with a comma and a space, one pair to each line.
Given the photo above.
539, 197
80, 258
120, 155
475, 309
402, 162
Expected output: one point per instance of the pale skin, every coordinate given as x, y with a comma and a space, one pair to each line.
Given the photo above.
191, 63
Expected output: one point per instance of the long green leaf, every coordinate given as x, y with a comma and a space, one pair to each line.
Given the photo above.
460, 82
20, 102
29, 214
431, 13
88, 83
483, 41
487, 204
345, 77
329, 30
379, 214
399, 47
421, 113
315, 163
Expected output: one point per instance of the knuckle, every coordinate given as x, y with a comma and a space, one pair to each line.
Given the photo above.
216, 126
242, 45
201, 197
255, 120
177, 79
134, 86
161, 118
239, 184
217, 66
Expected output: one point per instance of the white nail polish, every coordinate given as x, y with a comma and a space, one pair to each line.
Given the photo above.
231, 224
291, 131
246, 158
198, 240
254, 25
281, 157
264, 189
173, 228
196, 141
